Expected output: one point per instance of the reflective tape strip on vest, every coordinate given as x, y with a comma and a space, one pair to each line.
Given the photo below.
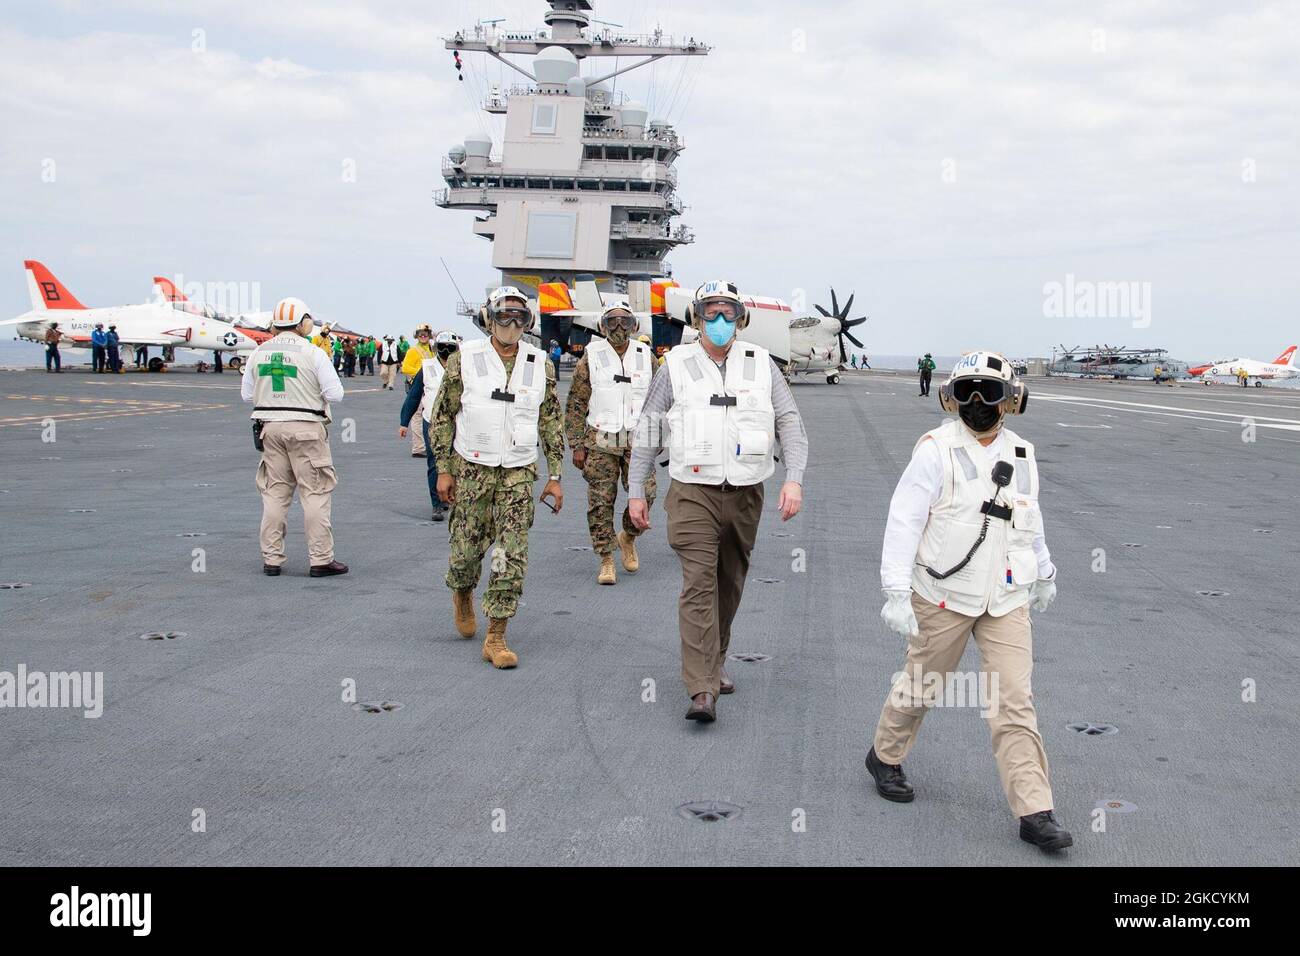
997, 578
721, 431
285, 387
616, 404
497, 421
433, 373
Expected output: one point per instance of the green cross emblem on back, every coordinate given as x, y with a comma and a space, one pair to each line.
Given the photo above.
277, 370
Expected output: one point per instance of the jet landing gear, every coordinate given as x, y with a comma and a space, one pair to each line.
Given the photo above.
160, 364
833, 378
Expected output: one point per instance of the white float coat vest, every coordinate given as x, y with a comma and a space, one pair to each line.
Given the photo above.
285, 386
721, 431
433, 374
497, 421
618, 385
387, 353
998, 577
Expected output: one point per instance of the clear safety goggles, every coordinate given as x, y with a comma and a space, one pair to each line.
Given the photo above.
721, 308
619, 320
990, 391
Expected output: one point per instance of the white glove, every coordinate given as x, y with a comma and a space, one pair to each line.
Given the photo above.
1041, 594
898, 615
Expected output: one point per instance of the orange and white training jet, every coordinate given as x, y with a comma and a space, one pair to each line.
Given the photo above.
165, 322
1282, 367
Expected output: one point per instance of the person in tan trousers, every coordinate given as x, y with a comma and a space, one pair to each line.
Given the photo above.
291, 383
964, 554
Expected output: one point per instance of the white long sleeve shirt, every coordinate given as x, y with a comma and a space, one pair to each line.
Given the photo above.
918, 490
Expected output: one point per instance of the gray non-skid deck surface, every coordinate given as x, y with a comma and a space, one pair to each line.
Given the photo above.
243, 716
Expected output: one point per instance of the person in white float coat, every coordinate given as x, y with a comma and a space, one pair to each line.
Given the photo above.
964, 554
725, 403
609, 388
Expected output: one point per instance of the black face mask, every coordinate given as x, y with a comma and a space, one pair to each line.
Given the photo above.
445, 350
978, 416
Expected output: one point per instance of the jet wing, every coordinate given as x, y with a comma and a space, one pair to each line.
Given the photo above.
148, 340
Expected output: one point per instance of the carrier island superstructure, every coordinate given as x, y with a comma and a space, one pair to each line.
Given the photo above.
585, 184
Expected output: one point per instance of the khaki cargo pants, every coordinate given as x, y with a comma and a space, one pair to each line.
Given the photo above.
1006, 650
296, 456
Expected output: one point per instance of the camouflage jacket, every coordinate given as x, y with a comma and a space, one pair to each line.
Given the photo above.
442, 424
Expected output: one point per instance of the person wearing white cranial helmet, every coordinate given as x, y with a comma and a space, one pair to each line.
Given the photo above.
965, 554
292, 383
725, 404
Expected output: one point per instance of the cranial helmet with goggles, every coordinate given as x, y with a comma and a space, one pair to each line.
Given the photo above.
618, 316
507, 306
720, 291
445, 343
982, 389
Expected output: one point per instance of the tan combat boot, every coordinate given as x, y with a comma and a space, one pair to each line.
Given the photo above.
627, 544
462, 603
494, 648
606, 575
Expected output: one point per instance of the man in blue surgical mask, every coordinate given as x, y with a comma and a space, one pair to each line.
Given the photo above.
724, 404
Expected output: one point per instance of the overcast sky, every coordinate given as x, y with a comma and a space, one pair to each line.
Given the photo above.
946, 161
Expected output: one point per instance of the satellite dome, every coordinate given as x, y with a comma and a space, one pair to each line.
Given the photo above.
577, 86
554, 65
456, 154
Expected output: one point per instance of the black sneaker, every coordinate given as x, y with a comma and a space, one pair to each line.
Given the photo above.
271, 570
1042, 830
891, 782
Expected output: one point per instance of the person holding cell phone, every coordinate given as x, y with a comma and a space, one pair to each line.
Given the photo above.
495, 414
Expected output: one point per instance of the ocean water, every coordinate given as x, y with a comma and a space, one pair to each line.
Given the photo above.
21, 354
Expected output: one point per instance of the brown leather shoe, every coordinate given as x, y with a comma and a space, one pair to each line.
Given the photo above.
271, 570
725, 684
328, 570
702, 708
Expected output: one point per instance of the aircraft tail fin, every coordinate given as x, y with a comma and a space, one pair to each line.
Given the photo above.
167, 289
47, 292
586, 296
1287, 357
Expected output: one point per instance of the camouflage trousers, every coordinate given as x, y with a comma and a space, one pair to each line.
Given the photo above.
603, 471
494, 506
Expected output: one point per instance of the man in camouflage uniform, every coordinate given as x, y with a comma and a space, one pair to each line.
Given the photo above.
496, 406
600, 426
